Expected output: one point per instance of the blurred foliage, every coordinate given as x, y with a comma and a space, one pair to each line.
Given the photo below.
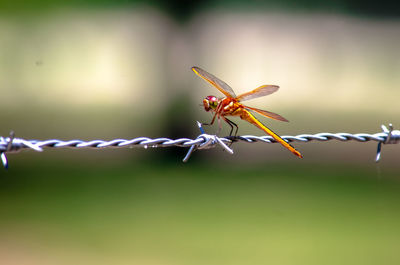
182, 10
177, 121
156, 213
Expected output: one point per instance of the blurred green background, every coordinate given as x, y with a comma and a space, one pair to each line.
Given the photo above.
121, 69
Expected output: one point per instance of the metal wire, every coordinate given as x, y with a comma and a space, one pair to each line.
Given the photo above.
203, 141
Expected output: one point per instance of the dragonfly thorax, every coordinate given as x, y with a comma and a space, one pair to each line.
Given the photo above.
210, 102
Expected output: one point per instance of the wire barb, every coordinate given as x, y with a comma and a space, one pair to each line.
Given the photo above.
8, 149
209, 141
12, 144
391, 137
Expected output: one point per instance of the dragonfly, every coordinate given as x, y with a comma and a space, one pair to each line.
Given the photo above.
231, 106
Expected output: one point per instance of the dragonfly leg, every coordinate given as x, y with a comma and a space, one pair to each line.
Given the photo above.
231, 124
212, 121
217, 111
234, 125
219, 124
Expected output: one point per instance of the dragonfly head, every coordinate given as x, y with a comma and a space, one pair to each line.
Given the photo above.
210, 102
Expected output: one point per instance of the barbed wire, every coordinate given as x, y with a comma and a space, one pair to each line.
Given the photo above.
12, 144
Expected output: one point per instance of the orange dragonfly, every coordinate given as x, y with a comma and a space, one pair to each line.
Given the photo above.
231, 106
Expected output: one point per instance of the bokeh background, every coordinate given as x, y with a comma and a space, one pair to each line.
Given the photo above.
121, 69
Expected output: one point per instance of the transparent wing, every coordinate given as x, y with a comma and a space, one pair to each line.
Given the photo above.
267, 114
215, 81
258, 92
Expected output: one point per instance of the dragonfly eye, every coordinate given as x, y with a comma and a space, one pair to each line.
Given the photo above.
210, 102
206, 104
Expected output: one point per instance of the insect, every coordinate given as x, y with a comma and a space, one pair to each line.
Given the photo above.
231, 106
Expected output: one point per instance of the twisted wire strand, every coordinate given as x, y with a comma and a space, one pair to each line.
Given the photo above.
203, 141
360, 137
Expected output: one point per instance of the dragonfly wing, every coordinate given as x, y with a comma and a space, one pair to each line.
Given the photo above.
215, 81
258, 92
267, 114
